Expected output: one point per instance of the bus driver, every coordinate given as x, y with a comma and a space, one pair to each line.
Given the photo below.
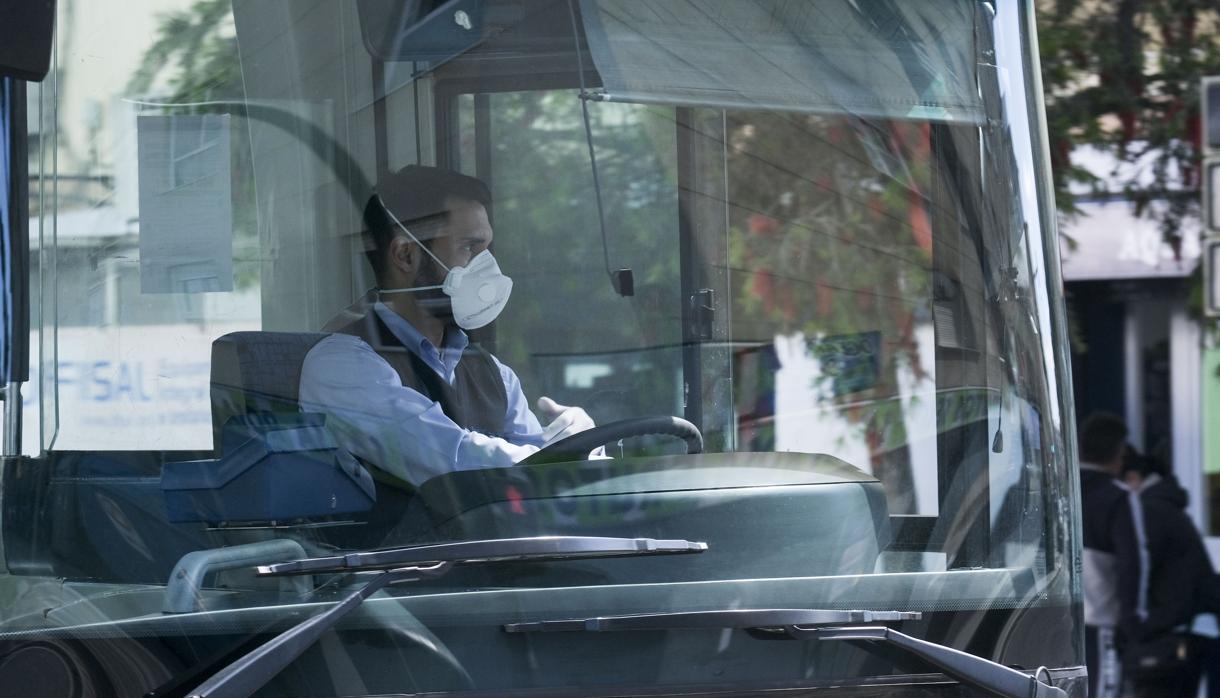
403, 387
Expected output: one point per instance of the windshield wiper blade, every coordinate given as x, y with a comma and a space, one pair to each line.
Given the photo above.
746, 619
536, 549
249, 673
977, 672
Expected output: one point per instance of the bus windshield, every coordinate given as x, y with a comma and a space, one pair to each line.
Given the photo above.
772, 282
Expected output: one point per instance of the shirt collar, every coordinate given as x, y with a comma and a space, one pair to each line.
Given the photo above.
455, 339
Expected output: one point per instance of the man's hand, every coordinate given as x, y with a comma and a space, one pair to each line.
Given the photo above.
565, 421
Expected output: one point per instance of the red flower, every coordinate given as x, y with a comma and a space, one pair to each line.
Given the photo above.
825, 297
762, 287
761, 224
917, 217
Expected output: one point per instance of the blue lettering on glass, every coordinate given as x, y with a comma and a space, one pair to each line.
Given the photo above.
109, 381
102, 401
101, 381
122, 385
131, 383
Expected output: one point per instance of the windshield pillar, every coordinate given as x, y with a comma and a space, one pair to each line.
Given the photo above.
14, 263
703, 214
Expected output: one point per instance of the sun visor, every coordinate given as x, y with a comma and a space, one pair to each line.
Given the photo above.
891, 59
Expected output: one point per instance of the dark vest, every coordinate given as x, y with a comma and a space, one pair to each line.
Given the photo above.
477, 400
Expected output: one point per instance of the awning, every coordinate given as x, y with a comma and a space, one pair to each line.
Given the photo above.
1112, 243
888, 59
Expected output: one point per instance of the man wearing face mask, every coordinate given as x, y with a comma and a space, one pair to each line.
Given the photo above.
402, 385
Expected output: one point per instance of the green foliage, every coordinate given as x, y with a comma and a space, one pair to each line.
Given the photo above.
195, 54
1123, 76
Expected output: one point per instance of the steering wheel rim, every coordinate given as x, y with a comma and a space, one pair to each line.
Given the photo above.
578, 446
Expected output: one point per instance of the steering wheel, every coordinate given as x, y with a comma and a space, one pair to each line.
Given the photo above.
577, 446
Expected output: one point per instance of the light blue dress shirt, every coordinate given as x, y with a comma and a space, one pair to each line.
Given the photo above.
397, 428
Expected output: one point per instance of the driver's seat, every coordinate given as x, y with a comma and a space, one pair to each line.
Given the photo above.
256, 376
274, 465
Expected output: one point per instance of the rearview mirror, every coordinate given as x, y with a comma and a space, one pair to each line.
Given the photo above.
25, 38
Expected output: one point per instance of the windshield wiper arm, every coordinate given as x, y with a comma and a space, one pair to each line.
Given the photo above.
249, 673
977, 672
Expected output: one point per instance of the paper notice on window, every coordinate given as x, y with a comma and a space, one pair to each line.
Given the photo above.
186, 204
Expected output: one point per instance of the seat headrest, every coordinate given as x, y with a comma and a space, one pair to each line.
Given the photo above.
257, 372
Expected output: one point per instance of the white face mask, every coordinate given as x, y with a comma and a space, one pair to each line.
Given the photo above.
477, 291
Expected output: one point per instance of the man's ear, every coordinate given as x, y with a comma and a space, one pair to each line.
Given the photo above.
404, 254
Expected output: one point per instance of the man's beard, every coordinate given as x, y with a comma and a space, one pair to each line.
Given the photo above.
434, 300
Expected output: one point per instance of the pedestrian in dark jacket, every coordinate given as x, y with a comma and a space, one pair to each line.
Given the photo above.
1111, 556
1176, 583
